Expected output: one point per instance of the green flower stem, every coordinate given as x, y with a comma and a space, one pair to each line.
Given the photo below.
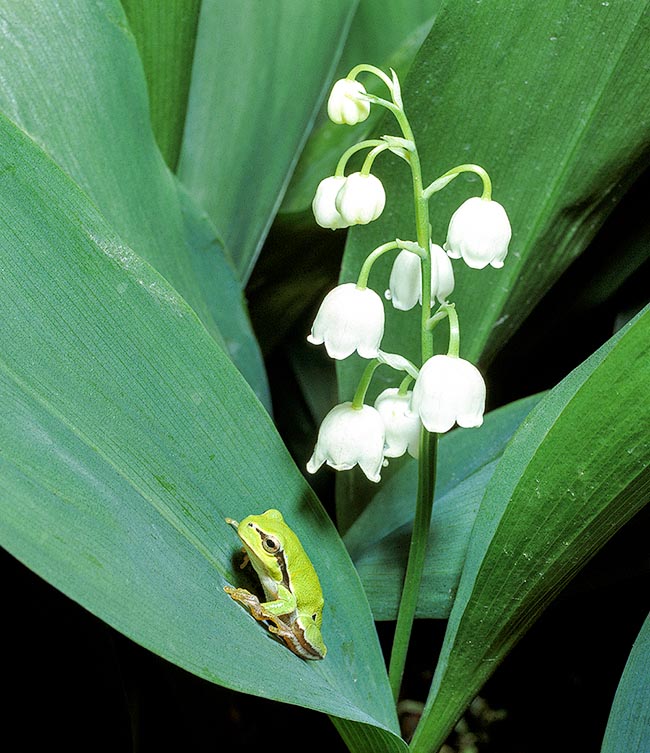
404, 385
364, 67
447, 177
434, 320
395, 362
448, 310
340, 167
372, 155
364, 383
428, 442
422, 226
454, 331
395, 109
362, 280
417, 553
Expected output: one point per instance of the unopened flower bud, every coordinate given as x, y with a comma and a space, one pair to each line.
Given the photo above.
344, 105
402, 427
442, 274
324, 206
361, 199
405, 284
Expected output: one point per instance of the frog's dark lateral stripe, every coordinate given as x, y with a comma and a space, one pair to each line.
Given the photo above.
282, 564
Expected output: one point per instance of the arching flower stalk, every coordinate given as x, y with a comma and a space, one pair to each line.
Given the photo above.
448, 390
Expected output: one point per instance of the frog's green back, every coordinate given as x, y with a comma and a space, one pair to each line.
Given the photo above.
304, 579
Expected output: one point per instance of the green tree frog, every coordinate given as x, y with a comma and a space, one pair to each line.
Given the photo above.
294, 599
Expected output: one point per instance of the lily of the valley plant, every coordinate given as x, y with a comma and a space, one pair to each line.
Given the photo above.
444, 389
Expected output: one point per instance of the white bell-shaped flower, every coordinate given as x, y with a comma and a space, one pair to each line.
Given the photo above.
448, 390
405, 284
344, 105
402, 426
349, 319
361, 199
349, 436
479, 232
324, 206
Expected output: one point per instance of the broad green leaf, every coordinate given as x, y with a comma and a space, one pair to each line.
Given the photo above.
259, 75
379, 29
219, 286
100, 134
384, 34
165, 33
574, 473
550, 99
364, 738
378, 541
128, 435
628, 727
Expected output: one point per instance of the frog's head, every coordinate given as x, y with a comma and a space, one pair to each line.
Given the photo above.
264, 538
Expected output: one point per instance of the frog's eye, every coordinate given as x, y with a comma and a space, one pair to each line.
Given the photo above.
270, 544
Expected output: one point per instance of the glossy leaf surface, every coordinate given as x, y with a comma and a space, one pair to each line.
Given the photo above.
128, 436
260, 72
165, 34
100, 135
628, 727
571, 477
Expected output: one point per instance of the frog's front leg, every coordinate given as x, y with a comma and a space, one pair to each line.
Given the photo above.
269, 611
251, 602
265, 611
